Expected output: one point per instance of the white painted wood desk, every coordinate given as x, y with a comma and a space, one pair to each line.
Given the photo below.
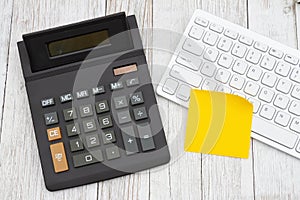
267, 174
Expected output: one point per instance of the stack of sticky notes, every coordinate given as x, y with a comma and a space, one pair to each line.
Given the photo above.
219, 124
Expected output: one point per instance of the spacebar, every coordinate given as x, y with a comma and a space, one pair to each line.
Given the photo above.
268, 130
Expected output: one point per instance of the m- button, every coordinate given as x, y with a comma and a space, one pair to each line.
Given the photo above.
54, 134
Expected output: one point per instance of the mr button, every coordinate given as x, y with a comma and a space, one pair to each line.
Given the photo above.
54, 134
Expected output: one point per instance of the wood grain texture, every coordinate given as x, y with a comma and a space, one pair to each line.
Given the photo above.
21, 175
276, 173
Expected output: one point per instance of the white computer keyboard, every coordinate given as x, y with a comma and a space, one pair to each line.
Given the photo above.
215, 54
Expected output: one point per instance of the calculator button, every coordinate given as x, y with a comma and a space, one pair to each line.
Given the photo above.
140, 113
92, 140
98, 90
73, 129
123, 117
59, 159
89, 125
70, 114
146, 137
102, 106
51, 118
66, 98
132, 82
129, 140
87, 158
120, 102
116, 85
54, 134
108, 137
76, 145
136, 98
112, 153
82, 94
47, 102
86, 110
105, 121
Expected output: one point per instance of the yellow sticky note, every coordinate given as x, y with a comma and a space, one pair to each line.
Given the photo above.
218, 123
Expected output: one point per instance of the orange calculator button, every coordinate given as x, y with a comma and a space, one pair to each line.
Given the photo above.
59, 159
54, 134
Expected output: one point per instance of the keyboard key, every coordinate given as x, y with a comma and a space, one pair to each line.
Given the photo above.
261, 46
240, 67
189, 61
193, 47
216, 27
82, 94
269, 79
66, 98
246, 40
209, 85
254, 73
225, 61
224, 89
196, 32
282, 68
70, 114
59, 158
211, 54
112, 153
202, 22
231, 34
88, 158
266, 95
92, 140
296, 92
73, 129
222, 75
54, 134
98, 90
170, 86
267, 112
208, 69
210, 38
256, 104
129, 140
120, 102
253, 56
146, 139
89, 125
136, 98
276, 53
140, 113
295, 108
291, 59
124, 117
132, 82
224, 44
184, 92
47, 102
76, 145
186, 76
251, 88
268, 62
274, 133
239, 50
237, 82
281, 101
295, 125
295, 76
108, 137
116, 86
102, 106
284, 86
85, 110
282, 118
51, 118
105, 121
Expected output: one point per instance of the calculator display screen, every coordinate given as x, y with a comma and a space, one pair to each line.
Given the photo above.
78, 43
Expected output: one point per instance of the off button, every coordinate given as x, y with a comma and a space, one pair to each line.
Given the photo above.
59, 159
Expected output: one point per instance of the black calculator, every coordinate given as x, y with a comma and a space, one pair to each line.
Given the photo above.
92, 102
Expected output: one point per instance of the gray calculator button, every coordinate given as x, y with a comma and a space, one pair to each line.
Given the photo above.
116, 85
120, 102
112, 153
86, 110
132, 82
82, 94
92, 140
129, 140
73, 129
87, 158
108, 137
124, 117
66, 98
51, 118
89, 125
140, 113
76, 145
105, 121
70, 114
47, 102
136, 98
102, 106
145, 134
98, 90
